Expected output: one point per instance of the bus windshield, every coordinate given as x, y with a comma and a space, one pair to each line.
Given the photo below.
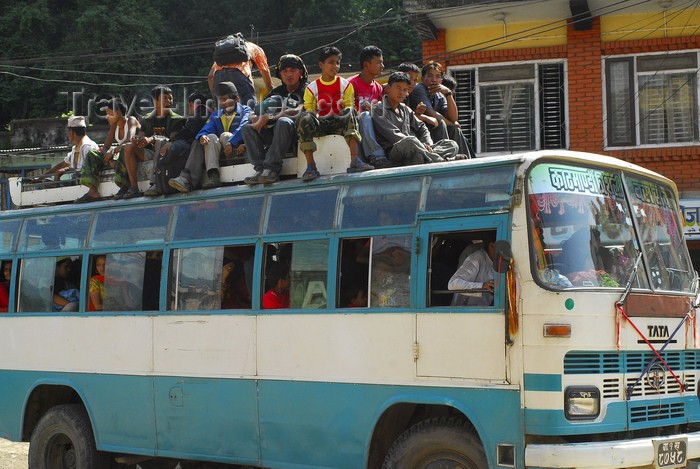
655, 209
582, 229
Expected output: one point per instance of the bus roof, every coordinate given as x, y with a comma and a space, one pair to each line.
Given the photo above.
524, 160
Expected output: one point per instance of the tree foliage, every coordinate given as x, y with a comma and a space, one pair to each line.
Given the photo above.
53, 48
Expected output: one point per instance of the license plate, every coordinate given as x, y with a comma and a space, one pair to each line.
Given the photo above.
670, 453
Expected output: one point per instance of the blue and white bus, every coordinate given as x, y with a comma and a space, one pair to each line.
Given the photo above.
587, 357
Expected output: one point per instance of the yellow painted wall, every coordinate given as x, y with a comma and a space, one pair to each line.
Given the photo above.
650, 25
519, 36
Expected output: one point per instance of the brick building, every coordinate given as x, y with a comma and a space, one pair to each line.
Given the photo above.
616, 78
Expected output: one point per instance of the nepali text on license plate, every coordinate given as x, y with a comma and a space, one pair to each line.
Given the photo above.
670, 453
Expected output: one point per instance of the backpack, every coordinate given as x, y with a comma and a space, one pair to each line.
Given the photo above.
231, 50
170, 165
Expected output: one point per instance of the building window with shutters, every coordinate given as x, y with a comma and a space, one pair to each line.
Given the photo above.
651, 99
510, 108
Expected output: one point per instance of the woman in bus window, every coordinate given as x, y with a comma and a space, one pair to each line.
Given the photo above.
66, 296
97, 285
5, 286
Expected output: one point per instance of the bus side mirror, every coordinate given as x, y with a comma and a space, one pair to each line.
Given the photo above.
502, 256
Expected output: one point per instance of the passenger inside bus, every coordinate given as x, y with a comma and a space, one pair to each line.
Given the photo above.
96, 290
475, 273
358, 296
277, 277
234, 290
5, 286
66, 296
391, 271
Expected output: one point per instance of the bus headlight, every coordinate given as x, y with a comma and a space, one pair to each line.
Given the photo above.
581, 402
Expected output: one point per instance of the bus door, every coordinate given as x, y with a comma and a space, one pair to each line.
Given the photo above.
459, 335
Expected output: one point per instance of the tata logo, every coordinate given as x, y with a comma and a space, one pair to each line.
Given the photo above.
658, 331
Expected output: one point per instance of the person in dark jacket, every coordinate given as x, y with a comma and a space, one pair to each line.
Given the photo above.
198, 114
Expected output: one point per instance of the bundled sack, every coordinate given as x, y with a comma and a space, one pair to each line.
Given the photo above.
231, 50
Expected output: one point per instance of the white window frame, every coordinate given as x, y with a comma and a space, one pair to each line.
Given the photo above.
635, 109
535, 81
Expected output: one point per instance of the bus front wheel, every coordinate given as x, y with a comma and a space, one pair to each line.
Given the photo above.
437, 443
63, 439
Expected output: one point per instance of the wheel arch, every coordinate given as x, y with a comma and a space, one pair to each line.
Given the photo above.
48, 393
399, 413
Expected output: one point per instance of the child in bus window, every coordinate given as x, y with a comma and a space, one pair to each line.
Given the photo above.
358, 296
97, 285
5, 286
277, 296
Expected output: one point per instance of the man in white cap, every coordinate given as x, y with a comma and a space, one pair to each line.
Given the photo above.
82, 145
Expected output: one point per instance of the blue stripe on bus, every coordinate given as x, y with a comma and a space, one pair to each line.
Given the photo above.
541, 382
646, 412
308, 424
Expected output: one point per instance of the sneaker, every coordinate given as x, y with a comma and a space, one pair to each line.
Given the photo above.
358, 166
180, 183
214, 180
254, 179
121, 193
151, 191
132, 192
268, 176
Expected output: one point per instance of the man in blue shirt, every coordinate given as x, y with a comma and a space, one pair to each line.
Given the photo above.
220, 134
440, 104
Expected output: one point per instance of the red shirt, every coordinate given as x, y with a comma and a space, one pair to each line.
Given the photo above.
274, 300
372, 92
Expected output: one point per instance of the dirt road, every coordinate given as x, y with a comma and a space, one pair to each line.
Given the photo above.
13, 455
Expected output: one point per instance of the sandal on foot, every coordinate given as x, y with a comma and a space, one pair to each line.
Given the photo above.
357, 166
132, 192
310, 174
85, 198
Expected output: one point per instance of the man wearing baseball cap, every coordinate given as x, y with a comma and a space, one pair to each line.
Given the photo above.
275, 126
82, 145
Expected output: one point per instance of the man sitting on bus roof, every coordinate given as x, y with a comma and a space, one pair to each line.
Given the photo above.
330, 104
82, 145
220, 135
156, 127
440, 104
406, 139
368, 92
275, 126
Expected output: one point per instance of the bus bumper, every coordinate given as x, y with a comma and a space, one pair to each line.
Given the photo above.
607, 454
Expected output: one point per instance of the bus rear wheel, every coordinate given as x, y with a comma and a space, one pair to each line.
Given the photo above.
440, 443
63, 439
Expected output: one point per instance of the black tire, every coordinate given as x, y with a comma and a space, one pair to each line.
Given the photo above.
439, 443
63, 439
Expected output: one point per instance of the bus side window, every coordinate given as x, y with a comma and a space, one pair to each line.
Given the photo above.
132, 281
48, 284
391, 271
460, 261
6, 276
210, 278
295, 275
354, 273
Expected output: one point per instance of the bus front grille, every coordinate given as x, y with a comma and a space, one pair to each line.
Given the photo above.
653, 412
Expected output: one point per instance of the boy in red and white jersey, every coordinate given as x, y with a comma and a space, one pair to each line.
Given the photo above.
329, 101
